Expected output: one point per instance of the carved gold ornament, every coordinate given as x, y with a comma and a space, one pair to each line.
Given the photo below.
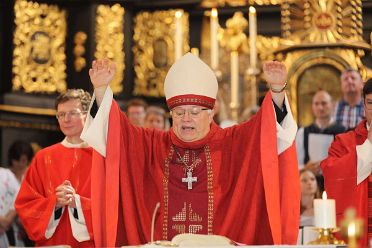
322, 21
311, 69
235, 3
154, 49
110, 40
79, 50
233, 37
39, 48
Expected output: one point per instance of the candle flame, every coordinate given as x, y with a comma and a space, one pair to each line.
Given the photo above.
178, 14
214, 12
351, 229
195, 51
252, 10
324, 196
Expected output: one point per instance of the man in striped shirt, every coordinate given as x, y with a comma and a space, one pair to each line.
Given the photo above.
350, 109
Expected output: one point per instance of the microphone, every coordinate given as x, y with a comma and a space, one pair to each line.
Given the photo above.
153, 221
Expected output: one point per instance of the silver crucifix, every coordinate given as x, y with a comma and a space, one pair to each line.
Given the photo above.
189, 179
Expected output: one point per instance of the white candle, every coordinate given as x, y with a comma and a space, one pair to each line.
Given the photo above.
252, 37
178, 35
214, 40
234, 78
325, 212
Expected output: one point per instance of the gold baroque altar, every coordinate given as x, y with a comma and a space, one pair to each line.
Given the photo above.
320, 39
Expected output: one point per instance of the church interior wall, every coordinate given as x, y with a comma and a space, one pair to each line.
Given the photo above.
81, 17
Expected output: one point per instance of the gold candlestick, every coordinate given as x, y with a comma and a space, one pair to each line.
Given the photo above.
326, 237
352, 228
235, 39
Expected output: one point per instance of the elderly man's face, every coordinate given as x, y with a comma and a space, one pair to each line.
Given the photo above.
190, 122
351, 82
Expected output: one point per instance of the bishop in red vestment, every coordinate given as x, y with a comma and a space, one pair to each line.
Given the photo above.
54, 199
207, 180
347, 169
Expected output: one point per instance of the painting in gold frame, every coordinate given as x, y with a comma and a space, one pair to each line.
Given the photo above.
154, 49
39, 59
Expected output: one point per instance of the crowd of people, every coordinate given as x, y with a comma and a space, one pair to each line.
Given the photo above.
207, 179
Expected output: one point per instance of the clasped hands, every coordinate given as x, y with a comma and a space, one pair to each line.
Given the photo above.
65, 195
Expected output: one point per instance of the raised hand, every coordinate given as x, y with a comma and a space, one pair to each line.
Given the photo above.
102, 72
275, 74
65, 195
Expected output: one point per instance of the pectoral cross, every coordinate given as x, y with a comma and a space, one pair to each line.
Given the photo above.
189, 179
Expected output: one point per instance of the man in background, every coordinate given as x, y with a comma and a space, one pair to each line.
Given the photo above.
350, 109
323, 129
136, 111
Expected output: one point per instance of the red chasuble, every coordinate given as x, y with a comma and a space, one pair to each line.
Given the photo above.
36, 199
240, 188
340, 176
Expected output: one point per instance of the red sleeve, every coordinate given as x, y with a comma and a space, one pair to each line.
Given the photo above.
33, 205
340, 179
266, 185
126, 145
339, 170
281, 180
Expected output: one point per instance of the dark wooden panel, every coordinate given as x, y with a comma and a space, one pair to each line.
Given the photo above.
6, 44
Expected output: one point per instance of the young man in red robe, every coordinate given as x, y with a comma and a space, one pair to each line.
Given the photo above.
347, 169
54, 199
240, 182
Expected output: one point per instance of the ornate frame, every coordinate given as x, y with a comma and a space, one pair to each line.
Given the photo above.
39, 48
299, 61
154, 44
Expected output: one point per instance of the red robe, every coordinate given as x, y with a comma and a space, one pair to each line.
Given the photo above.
256, 196
340, 176
36, 199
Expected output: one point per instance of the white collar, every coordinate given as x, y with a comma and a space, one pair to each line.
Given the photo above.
67, 144
367, 126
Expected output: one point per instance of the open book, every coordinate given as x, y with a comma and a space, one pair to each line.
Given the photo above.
193, 240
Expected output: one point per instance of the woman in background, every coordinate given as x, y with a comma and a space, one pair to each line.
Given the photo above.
309, 192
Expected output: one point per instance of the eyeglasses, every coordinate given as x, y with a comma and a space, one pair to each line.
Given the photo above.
72, 114
368, 104
194, 112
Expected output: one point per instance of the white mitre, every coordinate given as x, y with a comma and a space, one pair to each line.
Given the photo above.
190, 82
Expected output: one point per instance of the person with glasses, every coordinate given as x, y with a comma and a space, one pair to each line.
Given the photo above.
240, 182
347, 169
54, 202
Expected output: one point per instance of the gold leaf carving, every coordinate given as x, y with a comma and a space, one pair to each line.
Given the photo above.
110, 40
322, 21
154, 49
39, 48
